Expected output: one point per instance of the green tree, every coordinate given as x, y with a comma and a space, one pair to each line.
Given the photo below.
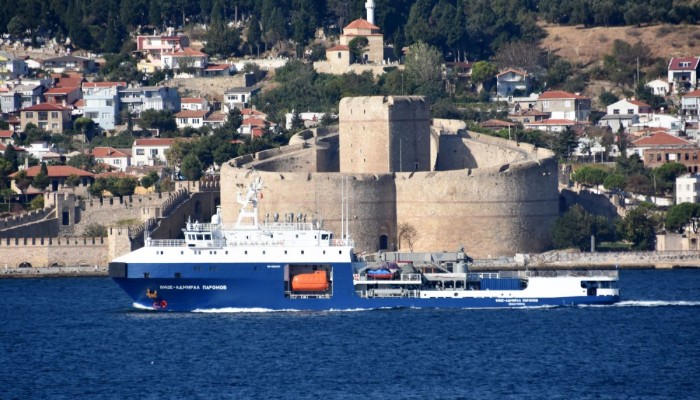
150, 179
221, 40
86, 126
614, 182
191, 168
575, 227
484, 72
424, 69
357, 46
11, 157
606, 98
564, 144
637, 227
37, 203
41, 179
590, 175
683, 215
162, 120
254, 37
665, 176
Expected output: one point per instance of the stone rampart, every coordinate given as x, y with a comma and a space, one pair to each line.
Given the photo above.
489, 211
58, 251
23, 219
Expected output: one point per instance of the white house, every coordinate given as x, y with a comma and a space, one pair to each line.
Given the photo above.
309, 119
150, 151
550, 125
659, 87
683, 72
511, 80
194, 103
12, 67
629, 107
690, 103
673, 124
191, 118
185, 58
238, 97
688, 188
116, 158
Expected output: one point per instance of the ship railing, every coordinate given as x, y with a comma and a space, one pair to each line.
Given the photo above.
589, 273
288, 226
411, 277
165, 243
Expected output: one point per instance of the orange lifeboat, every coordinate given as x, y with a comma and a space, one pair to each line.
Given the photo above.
312, 282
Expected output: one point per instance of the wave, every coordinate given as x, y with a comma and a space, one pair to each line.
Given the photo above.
657, 303
650, 303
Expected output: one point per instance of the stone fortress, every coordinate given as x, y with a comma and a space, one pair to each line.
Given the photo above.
397, 168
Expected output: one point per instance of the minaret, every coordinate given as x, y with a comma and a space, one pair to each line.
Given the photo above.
369, 5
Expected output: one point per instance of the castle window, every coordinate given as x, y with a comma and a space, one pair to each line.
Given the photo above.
340, 55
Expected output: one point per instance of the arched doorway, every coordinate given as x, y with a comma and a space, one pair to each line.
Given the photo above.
383, 242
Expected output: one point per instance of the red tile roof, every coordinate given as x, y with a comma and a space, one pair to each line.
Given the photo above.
153, 142
253, 121
6, 134
661, 139
513, 70
216, 117
192, 100
60, 90
552, 121
639, 103
80, 103
251, 111
560, 94
339, 47
107, 152
361, 24
44, 107
56, 171
186, 52
103, 84
694, 93
191, 114
675, 63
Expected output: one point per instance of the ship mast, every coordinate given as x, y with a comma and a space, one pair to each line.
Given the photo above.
248, 214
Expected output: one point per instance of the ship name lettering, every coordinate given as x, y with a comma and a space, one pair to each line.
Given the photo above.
214, 287
166, 287
187, 287
273, 266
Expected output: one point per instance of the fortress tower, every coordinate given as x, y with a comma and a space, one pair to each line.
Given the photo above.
381, 135
396, 168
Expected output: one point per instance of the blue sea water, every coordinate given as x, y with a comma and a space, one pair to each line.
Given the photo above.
80, 339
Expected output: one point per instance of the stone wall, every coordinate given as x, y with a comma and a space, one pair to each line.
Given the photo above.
45, 252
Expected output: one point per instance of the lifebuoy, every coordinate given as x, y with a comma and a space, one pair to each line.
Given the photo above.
163, 304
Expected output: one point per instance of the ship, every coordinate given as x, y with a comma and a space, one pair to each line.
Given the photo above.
285, 264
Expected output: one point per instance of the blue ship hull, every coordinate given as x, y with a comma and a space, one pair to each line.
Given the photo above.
259, 287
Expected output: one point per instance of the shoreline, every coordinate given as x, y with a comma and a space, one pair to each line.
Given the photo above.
91, 272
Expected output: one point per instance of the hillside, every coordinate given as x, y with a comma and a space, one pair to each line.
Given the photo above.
584, 45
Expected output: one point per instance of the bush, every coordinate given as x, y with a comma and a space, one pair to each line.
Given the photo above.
95, 230
37, 203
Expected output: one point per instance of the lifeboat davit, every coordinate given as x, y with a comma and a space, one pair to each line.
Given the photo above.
316, 281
